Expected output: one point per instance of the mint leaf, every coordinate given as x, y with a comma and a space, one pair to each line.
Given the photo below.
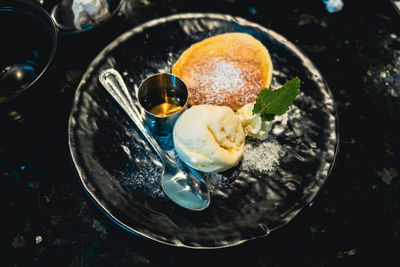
276, 102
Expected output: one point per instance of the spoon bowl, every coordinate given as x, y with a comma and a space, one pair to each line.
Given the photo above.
182, 184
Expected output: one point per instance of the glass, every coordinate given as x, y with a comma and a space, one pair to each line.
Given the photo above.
27, 48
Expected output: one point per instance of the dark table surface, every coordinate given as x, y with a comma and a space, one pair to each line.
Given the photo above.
355, 218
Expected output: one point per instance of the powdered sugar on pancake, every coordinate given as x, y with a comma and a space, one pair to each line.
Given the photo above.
220, 81
223, 76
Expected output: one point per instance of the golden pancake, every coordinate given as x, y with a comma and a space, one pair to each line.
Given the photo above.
225, 70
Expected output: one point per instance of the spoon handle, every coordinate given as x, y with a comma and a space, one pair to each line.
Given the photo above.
114, 84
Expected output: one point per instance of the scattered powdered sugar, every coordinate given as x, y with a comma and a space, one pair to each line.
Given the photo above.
143, 177
142, 170
261, 156
220, 75
219, 81
215, 180
143, 173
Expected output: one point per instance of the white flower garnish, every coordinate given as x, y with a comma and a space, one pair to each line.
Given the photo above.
253, 125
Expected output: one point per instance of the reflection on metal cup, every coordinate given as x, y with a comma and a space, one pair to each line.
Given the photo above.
164, 97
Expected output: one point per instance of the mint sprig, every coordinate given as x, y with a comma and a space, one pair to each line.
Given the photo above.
271, 102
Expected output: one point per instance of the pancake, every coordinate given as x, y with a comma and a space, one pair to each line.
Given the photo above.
225, 70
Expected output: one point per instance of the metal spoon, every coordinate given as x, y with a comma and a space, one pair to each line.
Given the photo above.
181, 184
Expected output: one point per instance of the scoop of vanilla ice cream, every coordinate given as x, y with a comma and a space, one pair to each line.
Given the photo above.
209, 138
253, 125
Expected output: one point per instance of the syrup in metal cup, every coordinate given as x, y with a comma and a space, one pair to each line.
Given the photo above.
164, 97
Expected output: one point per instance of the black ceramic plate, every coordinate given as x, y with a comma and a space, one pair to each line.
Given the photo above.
275, 179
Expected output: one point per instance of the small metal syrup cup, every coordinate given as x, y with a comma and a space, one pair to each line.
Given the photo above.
159, 89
